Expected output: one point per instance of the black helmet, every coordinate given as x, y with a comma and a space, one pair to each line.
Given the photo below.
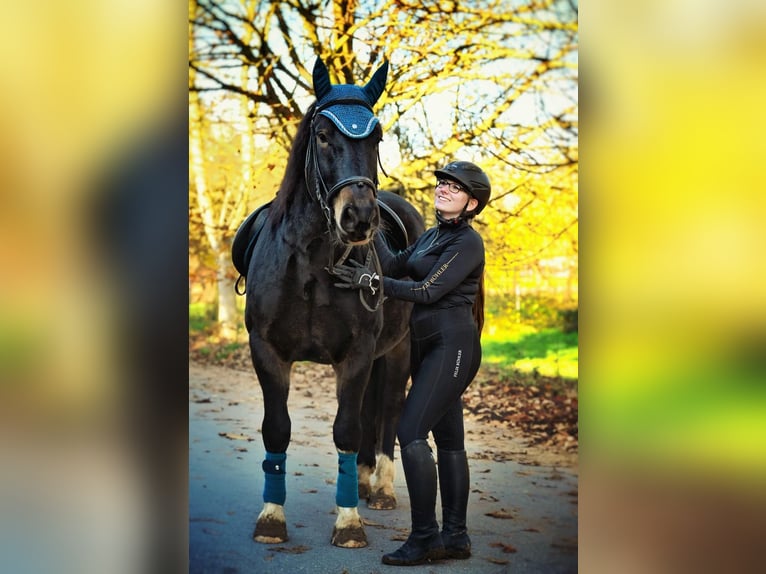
471, 177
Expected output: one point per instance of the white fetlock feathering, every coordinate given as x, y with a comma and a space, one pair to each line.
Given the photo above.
385, 471
364, 474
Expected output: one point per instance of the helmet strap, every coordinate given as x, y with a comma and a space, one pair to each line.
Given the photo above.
455, 221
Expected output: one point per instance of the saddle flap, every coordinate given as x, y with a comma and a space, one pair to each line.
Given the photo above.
246, 237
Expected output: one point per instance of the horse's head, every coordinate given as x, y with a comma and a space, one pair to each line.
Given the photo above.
341, 161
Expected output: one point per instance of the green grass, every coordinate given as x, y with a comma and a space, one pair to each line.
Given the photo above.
548, 352
201, 317
227, 350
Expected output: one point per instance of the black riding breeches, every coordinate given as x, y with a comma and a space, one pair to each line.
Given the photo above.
446, 353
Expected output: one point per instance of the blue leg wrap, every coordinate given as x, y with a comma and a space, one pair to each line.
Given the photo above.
274, 474
347, 493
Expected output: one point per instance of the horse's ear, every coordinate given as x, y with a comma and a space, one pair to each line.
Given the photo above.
377, 84
322, 84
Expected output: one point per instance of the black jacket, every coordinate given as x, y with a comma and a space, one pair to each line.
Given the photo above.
443, 267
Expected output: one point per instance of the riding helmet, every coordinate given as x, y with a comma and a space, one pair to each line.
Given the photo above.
471, 177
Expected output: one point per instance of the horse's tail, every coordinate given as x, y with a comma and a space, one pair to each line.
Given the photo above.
478, 305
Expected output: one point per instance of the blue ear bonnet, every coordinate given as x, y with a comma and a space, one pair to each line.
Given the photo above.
350, 110
348, 106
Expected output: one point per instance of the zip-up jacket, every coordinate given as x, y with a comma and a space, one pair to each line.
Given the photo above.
442, 267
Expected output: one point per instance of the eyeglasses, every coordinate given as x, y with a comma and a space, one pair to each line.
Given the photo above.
453, 187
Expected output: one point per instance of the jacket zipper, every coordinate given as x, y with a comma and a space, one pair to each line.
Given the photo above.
432, 241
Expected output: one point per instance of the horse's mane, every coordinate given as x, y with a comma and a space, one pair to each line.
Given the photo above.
294, 179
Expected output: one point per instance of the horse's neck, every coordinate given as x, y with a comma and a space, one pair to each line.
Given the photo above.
304, 221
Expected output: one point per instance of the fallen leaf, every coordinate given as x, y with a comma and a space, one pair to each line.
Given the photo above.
206, 519
502, 513
234, 436
290, 549
507, 548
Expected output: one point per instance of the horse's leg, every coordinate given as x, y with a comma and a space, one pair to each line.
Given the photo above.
382, 496
274, 378
370, 415
352, 376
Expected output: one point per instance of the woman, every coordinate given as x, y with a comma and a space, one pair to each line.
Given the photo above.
441, 274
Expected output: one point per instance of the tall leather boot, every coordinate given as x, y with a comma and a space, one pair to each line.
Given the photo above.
454, 485
424, 543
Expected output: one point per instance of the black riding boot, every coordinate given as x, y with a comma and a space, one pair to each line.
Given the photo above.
424, 543
454, 485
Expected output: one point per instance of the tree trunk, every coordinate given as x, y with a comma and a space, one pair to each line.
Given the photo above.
228, 316
227, 311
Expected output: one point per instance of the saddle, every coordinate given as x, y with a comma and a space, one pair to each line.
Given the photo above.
248, 232
245, 240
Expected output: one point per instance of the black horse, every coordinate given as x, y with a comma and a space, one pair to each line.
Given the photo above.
327, 210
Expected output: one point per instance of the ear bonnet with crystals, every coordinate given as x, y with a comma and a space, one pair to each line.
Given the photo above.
348, 106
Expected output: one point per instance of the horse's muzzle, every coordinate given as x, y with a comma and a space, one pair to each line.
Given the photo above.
356, 213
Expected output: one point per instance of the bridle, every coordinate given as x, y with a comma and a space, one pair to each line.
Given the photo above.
324, 197
322, 194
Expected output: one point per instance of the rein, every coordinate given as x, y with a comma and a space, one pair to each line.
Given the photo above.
372, 259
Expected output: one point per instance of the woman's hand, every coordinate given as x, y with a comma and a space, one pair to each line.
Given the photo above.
356, 276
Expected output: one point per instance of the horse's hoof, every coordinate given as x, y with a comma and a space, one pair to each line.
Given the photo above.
381, 501
270, 531
349, 537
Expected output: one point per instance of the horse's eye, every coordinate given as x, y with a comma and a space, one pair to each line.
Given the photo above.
322, 137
